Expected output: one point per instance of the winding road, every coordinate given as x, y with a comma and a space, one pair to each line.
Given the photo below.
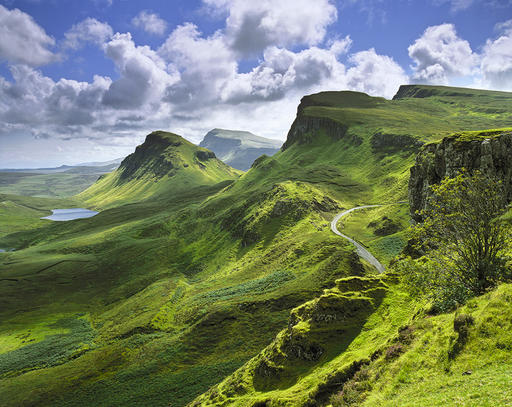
360, 249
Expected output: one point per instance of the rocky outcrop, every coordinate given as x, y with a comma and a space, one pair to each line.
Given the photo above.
488, 152
148, 157
204, 155
387, 142
304, 129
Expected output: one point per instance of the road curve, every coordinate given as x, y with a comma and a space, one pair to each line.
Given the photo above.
360, 249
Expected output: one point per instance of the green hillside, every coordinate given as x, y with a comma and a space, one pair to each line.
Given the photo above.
192, 271
165, 164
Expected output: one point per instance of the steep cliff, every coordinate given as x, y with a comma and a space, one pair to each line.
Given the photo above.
486, 151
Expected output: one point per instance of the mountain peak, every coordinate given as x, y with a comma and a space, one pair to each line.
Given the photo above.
239, 148
165, 163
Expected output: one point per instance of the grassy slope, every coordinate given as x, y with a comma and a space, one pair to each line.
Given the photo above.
166, 164
18, 213
426, 370
176, 286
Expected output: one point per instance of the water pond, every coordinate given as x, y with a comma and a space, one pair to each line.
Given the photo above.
61, 215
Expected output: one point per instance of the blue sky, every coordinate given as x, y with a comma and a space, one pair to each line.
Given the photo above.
87, 80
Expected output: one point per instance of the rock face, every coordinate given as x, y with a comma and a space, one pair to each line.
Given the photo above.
148, 157
305, 126
239, 149
394, 142
488, 152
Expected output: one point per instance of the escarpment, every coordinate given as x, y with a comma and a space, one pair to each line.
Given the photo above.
488, 152
303, 126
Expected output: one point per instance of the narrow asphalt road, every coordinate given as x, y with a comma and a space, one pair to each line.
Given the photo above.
361, 251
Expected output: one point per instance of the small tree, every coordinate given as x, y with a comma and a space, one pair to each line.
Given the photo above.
463, 238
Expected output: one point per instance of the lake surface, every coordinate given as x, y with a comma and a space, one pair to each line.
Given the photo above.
70, 214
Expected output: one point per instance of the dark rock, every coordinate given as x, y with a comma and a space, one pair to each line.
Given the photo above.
387, 142
304, 128
491, 156
384, 226
204, 155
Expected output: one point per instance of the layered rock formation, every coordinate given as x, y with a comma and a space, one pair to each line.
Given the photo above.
239, 149
489, 152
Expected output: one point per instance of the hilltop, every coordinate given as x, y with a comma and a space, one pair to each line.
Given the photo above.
164, 164
238, 148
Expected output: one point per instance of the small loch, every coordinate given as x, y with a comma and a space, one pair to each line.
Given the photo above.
61, 215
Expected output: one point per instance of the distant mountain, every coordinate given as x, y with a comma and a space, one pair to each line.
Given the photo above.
101, 163
98, 167
165, 164
239, 149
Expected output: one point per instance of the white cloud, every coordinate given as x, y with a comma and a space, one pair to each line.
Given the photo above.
439, 55
150, 22
283, 71
377, 75
66, 102
88, 30
144, 75
253, 26
22, 40
496, 65
205, 65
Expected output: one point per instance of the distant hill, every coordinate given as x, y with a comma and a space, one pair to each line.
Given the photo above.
98, 167
237, 148
63, 181
165, 163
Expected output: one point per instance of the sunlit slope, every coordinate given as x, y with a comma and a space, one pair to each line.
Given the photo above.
165, 164
359, 148
367, 343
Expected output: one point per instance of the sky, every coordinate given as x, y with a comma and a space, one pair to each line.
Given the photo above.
87, 80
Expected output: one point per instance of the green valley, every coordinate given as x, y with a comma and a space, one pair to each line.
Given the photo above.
198, 284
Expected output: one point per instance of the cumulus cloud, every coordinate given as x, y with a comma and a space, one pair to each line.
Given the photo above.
283, 71
253, 26
439, 55
150, 22
144, 75
377, 75
496, 65
88, 30
204, 64
22, 40
66, 102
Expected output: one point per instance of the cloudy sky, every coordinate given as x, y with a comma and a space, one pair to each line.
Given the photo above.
87, 80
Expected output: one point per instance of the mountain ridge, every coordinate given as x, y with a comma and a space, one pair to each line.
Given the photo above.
164, 163
238, 148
